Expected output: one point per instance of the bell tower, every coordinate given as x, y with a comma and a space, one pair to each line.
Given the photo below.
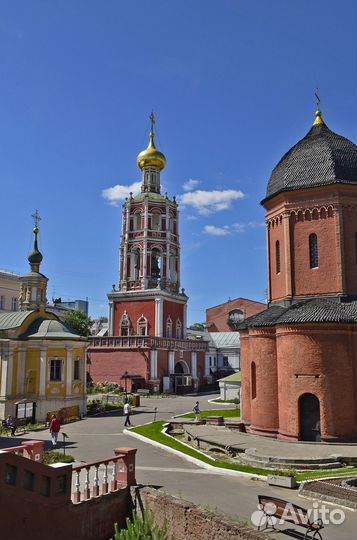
150, 255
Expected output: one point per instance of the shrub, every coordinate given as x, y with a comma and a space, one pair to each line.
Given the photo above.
53, 456
139, 528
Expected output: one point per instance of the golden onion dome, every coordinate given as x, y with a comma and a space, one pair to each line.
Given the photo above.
151, 157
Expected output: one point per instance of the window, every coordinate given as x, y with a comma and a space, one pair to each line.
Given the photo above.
55, 370
77, 370
14, 304
142, 326
156, 263
253, 370
225, 361
125, 325
210, 361
2, 302
235, 316
45, 488
178, 329
135, 264
10, 474
29, 480
277, 256
61, 485
156, 221
314, 251
137, 221
169, 327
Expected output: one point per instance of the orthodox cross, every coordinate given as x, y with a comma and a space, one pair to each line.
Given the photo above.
317, 99
152, 118
36, 217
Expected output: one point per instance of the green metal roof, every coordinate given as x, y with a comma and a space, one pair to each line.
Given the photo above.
49, 329
235, 377
13, 319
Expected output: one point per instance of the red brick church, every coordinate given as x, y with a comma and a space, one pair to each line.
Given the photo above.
147, 342
299, 356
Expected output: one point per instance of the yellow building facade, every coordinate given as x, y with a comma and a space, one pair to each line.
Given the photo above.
42, 361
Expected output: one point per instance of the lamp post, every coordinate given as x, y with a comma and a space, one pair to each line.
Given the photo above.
125, 377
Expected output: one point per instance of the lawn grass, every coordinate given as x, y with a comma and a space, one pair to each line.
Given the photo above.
226, 413
153, 431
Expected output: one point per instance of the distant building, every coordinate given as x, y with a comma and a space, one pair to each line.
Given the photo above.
226, 317
43, 364
223, 354
9, 291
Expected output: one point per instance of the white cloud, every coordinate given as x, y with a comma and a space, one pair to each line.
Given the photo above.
216, 231
191, 218
118, 193
238, 227
190, 185
208, 202
256, 224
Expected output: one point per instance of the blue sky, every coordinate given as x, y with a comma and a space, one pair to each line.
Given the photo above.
232, 84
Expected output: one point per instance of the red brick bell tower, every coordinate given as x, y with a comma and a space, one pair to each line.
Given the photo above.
148, 301
147, 313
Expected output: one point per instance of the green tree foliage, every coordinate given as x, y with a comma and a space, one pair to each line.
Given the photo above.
197, 326
79, 322
140, 528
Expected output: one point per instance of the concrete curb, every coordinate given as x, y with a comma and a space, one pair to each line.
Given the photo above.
198, 462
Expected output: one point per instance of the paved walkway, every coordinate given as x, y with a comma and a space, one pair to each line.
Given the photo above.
95, 438
269, 447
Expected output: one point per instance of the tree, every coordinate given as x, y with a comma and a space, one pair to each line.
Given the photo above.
201, 327
103, 319
79, 322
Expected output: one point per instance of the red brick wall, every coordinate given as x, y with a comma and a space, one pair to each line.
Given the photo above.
135, 310
55, 517
325, 279
175, 311
217, 317
328, 351
110, 365
331, 213
245, 367
277, 280
349, 231
264, 407
186, 521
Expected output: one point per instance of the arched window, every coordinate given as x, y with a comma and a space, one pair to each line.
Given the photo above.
277, 256
125, 325
142, 326
156, 221
253, 377
135, 264
137, 221
169, 327
314, 251
235, 316
178, 329
156, 263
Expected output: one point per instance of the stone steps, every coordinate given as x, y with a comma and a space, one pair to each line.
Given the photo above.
309, 464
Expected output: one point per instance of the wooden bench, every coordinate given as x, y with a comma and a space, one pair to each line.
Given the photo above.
289, 512
19, 423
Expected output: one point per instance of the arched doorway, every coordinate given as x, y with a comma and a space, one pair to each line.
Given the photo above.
309, 415
181, 368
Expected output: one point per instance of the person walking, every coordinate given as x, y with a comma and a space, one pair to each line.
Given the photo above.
127, 412
55, 427
196, 410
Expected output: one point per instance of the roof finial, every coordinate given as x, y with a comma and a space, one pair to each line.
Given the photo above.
318, 120
152, 134
36, 218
